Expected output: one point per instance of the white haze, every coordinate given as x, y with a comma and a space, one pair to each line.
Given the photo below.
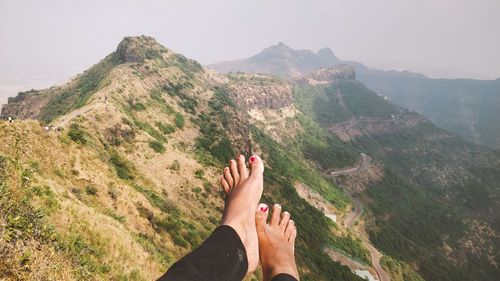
43, 43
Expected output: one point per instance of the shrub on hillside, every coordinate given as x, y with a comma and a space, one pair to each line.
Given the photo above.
179, 120
207, 186
179, 240
198, 173
60, 173
121, 166
138, 106
91, 190
175, 165
165, 128
157, 146
77, 134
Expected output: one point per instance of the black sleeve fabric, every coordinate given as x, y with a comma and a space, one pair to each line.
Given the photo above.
222, 257
284, 277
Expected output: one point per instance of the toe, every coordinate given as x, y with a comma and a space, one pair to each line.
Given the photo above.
285, 217
261, 217
289, 229
275, 217
234, 171
256, 165
242, 167
228, 177
294, 234
225, 185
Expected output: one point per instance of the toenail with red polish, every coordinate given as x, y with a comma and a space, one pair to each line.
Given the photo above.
230, 161
252, 159
264, 209
238, 156
225, 169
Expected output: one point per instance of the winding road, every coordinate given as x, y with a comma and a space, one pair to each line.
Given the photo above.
354, 214
357, 211
365, 161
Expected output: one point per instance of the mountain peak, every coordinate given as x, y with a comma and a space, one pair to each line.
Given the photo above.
327, 55
280, 48
138, 48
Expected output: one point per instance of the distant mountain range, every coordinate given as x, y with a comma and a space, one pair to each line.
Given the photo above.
467, 107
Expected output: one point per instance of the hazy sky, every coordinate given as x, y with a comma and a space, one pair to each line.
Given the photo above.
47, 41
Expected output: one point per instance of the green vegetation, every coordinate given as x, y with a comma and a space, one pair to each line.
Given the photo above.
155, 199
213, 143
176, 90
288, 165
79, 93
138, 106
149, 244
150, 130
157, 146
188, 66
165, 128
176, 166
413, 210
319, 145
199, 173
78, 134
91, 189
118, 218
327, 104
398, 270
320, 102
179, 120
122, 167
60, 173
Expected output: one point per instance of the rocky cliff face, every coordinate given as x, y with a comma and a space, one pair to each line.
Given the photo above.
27, 105
260, 91
325, 75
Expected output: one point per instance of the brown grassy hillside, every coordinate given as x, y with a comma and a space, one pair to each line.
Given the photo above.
129, 181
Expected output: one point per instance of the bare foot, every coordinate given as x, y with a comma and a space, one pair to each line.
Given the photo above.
243, 192
276, 242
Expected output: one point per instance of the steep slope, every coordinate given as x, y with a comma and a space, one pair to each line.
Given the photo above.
467, 107
129, 181
438, 197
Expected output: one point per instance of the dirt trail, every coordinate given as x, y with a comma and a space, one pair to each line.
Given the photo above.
63, 121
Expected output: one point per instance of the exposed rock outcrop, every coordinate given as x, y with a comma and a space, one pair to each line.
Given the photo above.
325, 75
27, 105
261, 91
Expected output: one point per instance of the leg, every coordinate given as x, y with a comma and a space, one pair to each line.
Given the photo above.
276, 244
232, 250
